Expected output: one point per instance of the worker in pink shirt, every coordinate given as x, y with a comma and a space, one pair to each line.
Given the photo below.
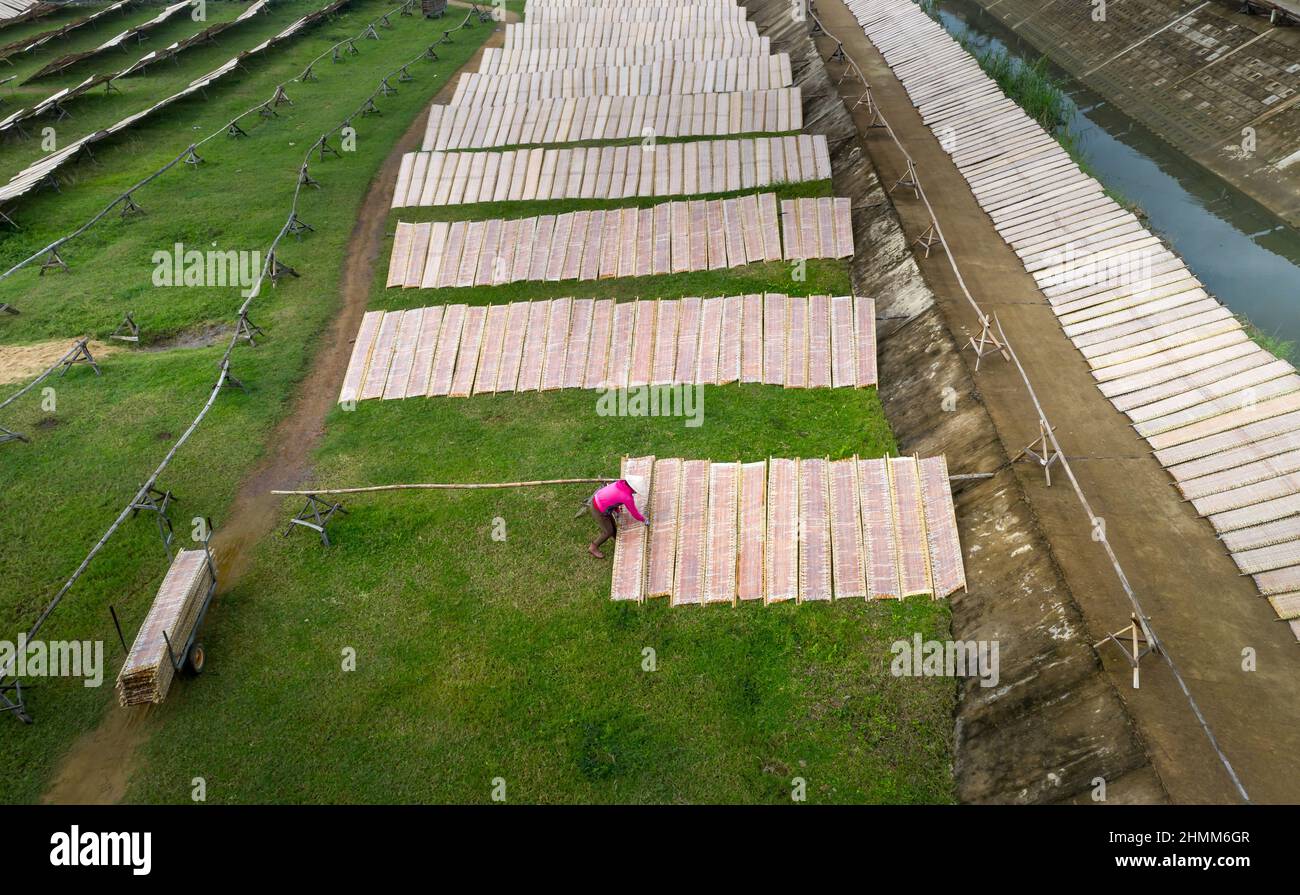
629, 492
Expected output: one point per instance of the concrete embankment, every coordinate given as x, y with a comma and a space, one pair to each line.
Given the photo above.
1054, 723
1236, 662
1221, 86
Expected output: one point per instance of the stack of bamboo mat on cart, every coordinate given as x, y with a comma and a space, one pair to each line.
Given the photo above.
148, 671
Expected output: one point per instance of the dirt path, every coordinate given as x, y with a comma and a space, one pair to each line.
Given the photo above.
1205, 612
98, 766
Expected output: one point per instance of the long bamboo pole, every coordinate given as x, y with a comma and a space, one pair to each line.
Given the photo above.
447, 486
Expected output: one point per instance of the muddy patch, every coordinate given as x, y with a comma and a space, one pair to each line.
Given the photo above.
202, 336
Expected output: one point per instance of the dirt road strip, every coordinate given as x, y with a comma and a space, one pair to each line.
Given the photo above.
98, 767
1209, 617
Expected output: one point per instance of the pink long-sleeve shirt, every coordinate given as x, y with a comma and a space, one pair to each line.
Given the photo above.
617, 494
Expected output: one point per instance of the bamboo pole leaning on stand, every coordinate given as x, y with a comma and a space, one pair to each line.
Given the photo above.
317, 513
447, 486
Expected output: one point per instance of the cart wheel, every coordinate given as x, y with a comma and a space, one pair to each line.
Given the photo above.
195, 660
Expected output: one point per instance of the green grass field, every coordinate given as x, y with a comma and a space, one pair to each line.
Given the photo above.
99, 108
475, 658
479, 658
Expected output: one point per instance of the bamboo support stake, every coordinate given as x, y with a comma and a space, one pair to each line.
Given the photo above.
448, 486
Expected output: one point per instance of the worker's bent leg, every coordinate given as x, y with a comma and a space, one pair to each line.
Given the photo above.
607, 530
606, 523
